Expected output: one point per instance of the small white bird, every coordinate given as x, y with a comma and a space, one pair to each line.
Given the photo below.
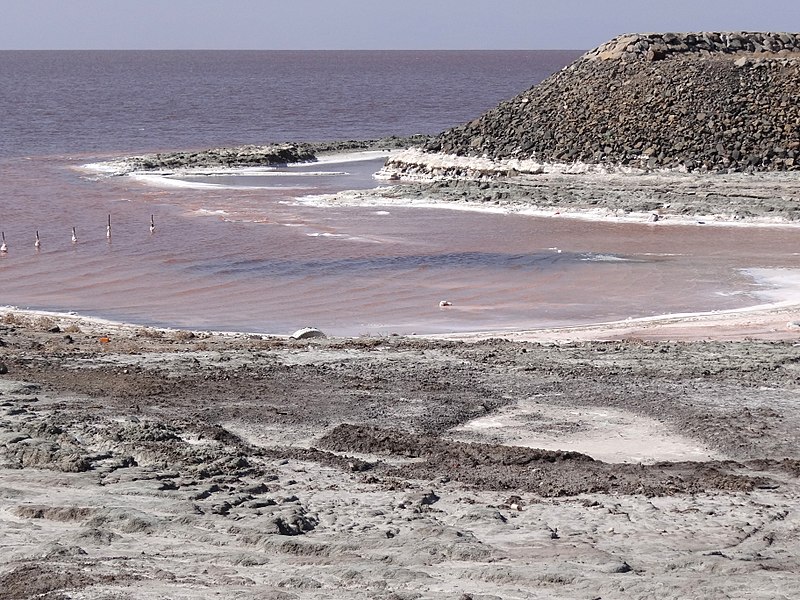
3, 246
74, 236
108, 228
152, 224
38, 243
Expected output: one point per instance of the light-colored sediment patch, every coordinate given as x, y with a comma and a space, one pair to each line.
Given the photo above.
603, 433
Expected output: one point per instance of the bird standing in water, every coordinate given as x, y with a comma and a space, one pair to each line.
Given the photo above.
3, 246
152, 223
38, 243
108, 228
74, 236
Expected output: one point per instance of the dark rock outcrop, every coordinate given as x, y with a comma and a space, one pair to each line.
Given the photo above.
242, 156
258, 155
696, 101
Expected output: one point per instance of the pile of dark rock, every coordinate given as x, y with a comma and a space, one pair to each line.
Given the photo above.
242, 156
695, 101
261, 155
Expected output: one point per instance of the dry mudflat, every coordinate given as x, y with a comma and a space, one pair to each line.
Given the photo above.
140, 463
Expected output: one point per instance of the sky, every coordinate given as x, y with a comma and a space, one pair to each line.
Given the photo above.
369, 24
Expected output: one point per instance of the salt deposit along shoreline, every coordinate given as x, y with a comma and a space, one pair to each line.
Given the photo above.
584, 191
593, 191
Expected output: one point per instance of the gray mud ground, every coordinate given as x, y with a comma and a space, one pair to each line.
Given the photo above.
152, 464
733, 197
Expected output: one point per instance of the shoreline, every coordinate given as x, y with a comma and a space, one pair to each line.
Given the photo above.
582, 190
778, 320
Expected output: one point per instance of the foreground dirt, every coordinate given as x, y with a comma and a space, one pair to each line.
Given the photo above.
137, 463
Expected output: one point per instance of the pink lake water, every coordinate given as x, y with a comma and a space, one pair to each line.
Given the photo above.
255, 257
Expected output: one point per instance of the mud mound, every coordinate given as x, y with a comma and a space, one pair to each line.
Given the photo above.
372, 440
546, 473
42, 581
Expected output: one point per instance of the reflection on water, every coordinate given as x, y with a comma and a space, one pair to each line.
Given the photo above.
253, 258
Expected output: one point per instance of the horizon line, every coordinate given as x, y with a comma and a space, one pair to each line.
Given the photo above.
293, 49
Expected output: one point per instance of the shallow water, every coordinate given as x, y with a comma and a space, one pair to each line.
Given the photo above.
258, 259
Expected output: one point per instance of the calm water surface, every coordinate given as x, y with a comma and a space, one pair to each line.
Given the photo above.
261, 259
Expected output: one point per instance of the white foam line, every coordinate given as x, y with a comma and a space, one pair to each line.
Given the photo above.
208, 211
344, 157
169, 181
122, 166
257, 173
161, 180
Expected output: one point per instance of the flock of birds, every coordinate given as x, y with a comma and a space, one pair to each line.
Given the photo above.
38, 242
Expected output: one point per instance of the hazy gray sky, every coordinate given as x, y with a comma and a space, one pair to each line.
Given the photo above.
369, 24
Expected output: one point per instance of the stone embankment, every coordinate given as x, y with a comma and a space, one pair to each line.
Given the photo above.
258, 155
696, 102
243, 156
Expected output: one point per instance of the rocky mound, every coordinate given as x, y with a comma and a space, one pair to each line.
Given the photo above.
694, 101
544, 472
255, 156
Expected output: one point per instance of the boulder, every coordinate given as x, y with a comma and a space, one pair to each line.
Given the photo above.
307, 333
